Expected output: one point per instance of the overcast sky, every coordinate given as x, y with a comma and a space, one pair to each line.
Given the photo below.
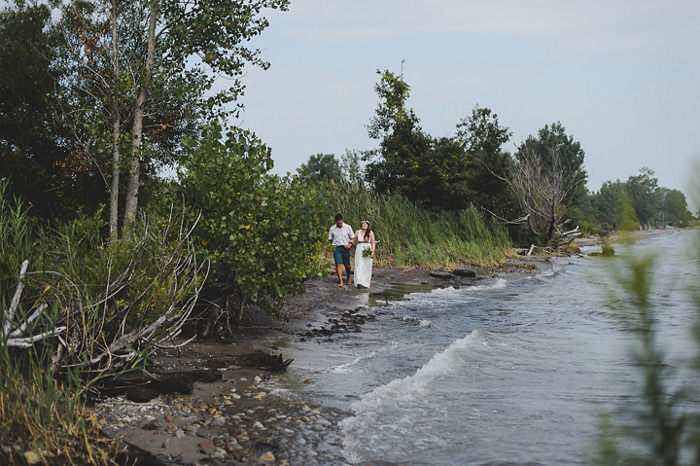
623, 77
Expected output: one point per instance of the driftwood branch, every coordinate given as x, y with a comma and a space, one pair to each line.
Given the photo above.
18, 337
81, 326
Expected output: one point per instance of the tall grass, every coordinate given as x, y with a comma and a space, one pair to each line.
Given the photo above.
41, 418
411, 236
44, 420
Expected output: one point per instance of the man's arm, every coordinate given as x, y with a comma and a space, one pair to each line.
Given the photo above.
352, 240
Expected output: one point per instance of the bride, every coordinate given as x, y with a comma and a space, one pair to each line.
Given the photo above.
363, 260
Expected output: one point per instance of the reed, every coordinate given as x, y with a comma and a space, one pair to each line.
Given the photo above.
411, 236
43, 419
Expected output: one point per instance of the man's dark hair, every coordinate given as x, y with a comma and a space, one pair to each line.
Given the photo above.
338, 217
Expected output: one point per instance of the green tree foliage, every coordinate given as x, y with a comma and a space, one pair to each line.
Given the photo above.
136, 78
261, 232
639, 200
553, 142
33, 150
438, 173
350, 166
398, 164
646, 197
675, 208
487, 164
614, 208
321, 167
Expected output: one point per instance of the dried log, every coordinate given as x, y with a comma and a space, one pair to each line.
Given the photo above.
265, 360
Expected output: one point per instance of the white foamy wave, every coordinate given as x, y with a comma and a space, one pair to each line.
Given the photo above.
419, 383
372, 354
344, 367
424, 323
377, 411
499, 284
451, 295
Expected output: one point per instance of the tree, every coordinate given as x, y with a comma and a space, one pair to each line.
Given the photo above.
482, 138
646, 197
32, 138
675, 208
431, 172
541, 187
614, 209
249, 220
552, 141
350, 166
399, 161
141, 77
320, 167
549, 181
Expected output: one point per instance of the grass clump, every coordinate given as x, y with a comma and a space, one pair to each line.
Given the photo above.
46, 421
75, 309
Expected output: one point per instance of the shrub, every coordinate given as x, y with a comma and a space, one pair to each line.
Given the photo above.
261, 231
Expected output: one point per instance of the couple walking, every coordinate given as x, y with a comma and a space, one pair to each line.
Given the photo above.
342, 237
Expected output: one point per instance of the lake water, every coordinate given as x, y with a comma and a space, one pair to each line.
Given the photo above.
511, 372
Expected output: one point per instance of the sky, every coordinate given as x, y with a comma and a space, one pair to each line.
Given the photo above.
623, 77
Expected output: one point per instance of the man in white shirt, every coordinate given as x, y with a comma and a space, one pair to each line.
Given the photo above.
342, 237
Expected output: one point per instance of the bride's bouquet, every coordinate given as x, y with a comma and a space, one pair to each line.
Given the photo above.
367, 252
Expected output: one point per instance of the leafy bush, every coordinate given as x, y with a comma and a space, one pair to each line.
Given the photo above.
261, 231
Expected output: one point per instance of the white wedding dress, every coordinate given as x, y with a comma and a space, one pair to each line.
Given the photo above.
363, 265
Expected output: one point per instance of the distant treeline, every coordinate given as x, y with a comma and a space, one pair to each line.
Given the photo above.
540, 190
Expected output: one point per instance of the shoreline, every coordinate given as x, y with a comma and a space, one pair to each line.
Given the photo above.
239, 417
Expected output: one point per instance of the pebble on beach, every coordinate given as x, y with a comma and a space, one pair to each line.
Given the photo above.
231, 424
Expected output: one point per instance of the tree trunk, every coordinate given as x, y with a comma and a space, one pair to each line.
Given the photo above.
116, 133
132, 189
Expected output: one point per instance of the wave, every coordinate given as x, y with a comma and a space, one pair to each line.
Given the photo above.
423, 323
371, 355
449, 295
389, 408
